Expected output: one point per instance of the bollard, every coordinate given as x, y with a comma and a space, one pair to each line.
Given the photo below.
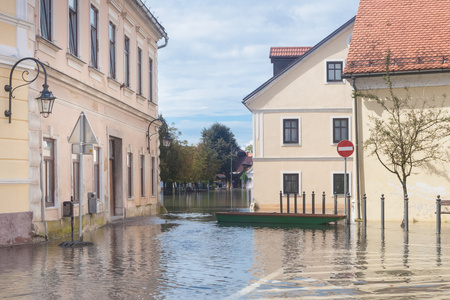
323, 203
364, 210
406, 213
281, 202
382, 211
287, 202
313, 202
304, 201
335, 203
438, 214
348, 208
295, 202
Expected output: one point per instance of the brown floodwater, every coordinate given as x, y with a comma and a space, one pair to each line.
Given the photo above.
185, 254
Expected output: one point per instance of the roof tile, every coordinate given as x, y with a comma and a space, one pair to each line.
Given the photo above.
288, 51
414, 31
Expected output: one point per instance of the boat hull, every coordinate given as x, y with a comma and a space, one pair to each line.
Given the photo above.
277, 218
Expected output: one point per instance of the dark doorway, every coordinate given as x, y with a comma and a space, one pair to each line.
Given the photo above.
115, 177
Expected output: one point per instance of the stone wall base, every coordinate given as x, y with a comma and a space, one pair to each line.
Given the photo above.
15, 228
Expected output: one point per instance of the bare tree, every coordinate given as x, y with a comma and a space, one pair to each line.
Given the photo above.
410, 133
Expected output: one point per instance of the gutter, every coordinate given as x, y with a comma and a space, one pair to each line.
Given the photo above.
379, 74
161, 29
355, 105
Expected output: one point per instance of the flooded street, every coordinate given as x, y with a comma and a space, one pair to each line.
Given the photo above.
185, 254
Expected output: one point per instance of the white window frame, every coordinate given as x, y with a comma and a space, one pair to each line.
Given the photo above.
332, 127
299, 143
349, 182
326, 71
52, 21
299, 180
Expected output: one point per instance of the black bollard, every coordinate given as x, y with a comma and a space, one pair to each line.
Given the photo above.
406, 213
287, 202
304, 202
281, 202
438, 214
364, 210
313, 202
335, 203
348, 208
295, 202
323, 203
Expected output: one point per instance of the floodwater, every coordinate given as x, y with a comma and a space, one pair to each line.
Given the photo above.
185, 254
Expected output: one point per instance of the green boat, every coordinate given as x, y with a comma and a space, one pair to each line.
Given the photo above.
277, 218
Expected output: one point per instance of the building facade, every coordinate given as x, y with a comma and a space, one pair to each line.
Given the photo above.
413, 32
299, 117
101, 60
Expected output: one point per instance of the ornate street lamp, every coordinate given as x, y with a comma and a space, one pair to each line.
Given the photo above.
45, 99
167, 141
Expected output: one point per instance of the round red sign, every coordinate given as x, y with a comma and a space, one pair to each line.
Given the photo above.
345, 148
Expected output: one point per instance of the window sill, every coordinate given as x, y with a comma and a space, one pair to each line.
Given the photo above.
128, 92
47, 46
336, 82
74, 62
291, 145
114, 84
141, 99
95, 74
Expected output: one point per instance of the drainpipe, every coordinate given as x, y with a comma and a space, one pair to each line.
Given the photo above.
355, 98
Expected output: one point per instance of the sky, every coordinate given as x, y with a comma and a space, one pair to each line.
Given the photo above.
218, 53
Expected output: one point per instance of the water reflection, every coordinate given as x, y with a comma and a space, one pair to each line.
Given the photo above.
185, 254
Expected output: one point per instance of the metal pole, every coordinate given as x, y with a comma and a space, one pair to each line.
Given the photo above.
345, 186
438, 214
313, 202
382, 211
281, 202
364, 210
335, 203
287, 203
304, 202
295, 202
81, 180
348, 208
323, 203
406, 212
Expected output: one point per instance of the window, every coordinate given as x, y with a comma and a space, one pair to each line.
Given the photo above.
127, 62
153, 177
340, 129
76, 177
150, 79
290, 131
94, 37
338, 183
142, 174
96, 158
139, 71
73, 27
46, 19
130, 174
48, 149
334, 71
112, 50
290, 183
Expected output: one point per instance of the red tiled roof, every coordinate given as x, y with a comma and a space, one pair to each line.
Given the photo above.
288, 51
414, 31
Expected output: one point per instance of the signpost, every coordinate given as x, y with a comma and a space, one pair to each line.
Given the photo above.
345, 149
82, 140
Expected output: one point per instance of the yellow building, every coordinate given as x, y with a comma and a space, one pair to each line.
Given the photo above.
101, 60
299, 117
414, 32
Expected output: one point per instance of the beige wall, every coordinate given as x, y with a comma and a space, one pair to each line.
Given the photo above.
302, 92
425, 183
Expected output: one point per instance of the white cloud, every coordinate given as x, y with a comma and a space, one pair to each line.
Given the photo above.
218, 53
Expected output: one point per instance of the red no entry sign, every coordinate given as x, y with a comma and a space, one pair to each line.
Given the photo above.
345, 148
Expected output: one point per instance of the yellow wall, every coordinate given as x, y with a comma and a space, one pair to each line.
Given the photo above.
425, 183
8, 7
8, 34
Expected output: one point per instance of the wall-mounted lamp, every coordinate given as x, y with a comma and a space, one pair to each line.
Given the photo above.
45, 99
167, 141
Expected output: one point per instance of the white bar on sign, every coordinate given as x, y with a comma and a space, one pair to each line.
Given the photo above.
345, 148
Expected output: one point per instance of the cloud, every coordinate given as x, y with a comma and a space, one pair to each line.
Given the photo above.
218, 53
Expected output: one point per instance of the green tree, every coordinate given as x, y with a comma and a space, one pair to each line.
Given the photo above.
411, 132
206, 163
220, 138
249, 148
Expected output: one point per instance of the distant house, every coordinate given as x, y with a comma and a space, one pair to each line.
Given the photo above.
299, 117
242, 163
415, 32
